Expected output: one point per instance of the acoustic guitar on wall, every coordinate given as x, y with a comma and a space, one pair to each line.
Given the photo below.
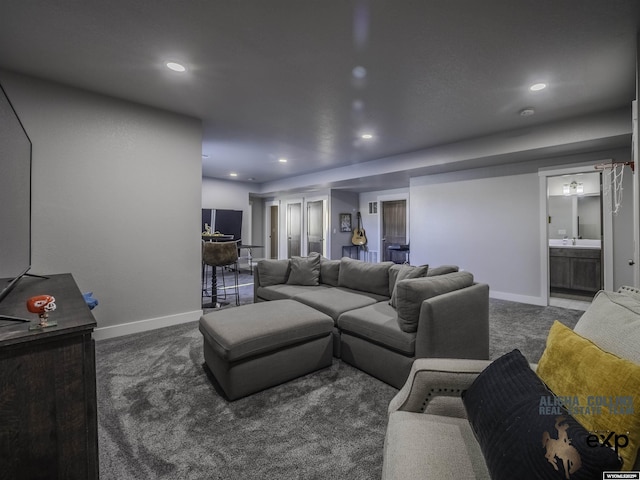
359, 237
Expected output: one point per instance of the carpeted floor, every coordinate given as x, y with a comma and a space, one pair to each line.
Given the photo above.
160, 417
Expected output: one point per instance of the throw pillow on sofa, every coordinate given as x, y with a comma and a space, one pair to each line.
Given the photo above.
273, 272
403, 272
603, 387
411, 293
524, 431
364, 276
305, 270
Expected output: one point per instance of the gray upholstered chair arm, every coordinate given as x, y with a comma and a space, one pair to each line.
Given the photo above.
432, 377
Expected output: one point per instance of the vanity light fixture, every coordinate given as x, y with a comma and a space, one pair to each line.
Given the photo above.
176, 67
573, 188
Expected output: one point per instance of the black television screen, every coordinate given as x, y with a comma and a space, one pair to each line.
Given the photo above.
15, 197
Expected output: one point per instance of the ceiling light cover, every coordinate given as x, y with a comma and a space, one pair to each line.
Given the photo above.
282, 160
367, 136
176, 67
233, 174
537, 86
527, 112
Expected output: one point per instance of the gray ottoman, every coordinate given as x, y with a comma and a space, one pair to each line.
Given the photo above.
256, 346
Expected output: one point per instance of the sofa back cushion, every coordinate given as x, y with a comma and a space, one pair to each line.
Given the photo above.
412, 292
364, 276
441, 270
612, 322
273, 272
329, 271
402, 272
304, 270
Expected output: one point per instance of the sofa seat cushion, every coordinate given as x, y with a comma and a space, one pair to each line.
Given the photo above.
284, 291
335, 300
254, 329
378, 324
612, 322
422, 446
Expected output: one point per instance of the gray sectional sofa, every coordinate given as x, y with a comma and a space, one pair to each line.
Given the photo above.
385, 315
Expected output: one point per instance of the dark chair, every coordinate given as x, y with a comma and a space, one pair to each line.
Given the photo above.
220, 255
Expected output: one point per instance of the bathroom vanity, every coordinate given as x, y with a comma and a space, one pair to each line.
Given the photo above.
575, 267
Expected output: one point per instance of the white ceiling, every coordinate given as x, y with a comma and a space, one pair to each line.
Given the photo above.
274, 78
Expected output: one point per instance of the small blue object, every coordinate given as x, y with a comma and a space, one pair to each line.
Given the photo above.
91, 302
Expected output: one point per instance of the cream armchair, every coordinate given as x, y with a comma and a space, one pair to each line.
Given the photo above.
428, 434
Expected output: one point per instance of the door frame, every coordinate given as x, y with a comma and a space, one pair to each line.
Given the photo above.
390, 198
267, 227
607, 224
284, 232
326, 243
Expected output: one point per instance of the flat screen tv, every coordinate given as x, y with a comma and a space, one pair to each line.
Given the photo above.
15, 197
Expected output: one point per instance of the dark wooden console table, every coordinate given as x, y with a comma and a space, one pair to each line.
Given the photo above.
48, 410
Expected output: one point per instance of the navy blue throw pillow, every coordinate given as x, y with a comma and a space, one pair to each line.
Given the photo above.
524, 430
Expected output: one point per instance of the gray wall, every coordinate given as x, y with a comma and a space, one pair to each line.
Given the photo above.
116, 201
487, 221
341, 202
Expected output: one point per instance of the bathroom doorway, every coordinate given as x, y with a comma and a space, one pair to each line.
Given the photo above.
575, 237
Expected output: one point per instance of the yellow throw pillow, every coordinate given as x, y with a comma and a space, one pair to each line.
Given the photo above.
600, 390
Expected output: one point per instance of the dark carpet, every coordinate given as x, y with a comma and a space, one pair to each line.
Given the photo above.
160, 417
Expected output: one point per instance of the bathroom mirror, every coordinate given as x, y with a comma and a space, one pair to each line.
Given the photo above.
574, 207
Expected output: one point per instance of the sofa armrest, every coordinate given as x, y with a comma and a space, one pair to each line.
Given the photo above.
455, 324
433, 377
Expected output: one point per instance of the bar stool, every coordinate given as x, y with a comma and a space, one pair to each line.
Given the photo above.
221, 254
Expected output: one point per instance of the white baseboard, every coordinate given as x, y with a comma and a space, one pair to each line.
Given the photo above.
104, 333
514, 297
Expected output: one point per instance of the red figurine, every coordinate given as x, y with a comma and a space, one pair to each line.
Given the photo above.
42, 305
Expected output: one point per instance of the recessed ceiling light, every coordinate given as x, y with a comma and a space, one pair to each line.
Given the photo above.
204, 155
233, 174
366, 136
359, 72
176, 67
527, 112
282, 160
537, 86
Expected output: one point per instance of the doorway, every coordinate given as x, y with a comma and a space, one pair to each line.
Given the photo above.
575, 237
294, 229
315, 227
273, 232
394, 231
